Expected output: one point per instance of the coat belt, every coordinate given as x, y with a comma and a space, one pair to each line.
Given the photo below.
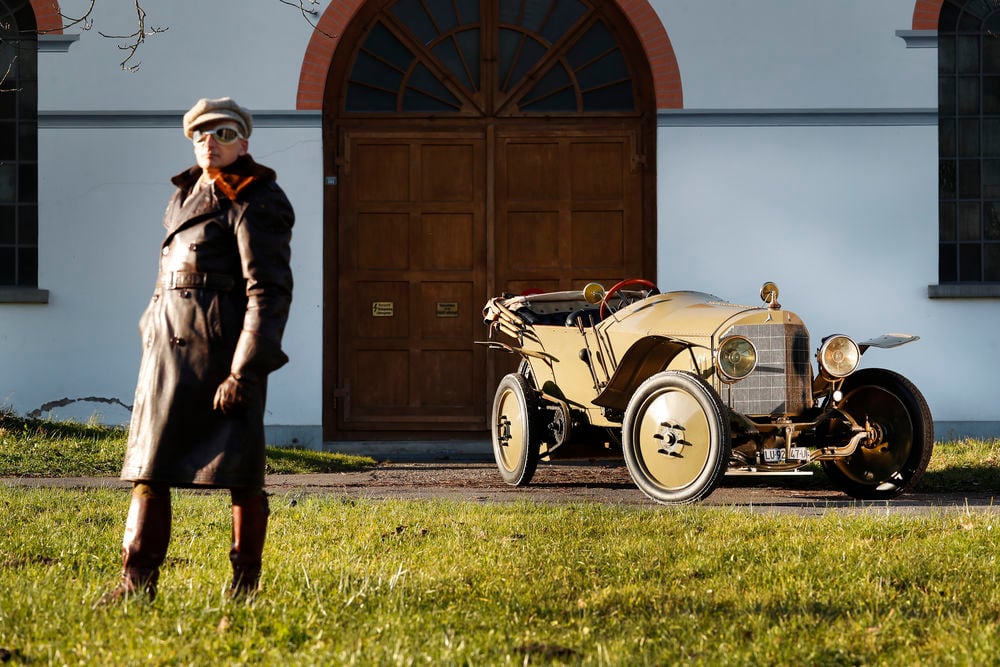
187, 279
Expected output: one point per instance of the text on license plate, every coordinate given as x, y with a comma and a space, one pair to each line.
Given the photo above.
777, 455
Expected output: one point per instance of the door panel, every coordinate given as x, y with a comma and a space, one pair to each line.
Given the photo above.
383, 240
382, 172
411, 281
471, 148
447, 241
591, 174
414, 254
568, 208
531, 238
586, 252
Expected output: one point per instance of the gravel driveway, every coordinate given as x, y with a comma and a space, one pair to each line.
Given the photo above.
603, 482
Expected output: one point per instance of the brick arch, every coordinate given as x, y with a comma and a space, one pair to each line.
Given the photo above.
645, 22
48, 19
926, 13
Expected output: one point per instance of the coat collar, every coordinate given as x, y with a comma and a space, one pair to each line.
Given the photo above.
232, 180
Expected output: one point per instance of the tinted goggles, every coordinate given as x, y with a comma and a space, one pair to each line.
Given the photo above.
224, 135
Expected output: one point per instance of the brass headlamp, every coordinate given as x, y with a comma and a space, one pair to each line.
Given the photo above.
838, 356
736, 358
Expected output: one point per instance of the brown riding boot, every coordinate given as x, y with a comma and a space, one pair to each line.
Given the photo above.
250, 512
144, 547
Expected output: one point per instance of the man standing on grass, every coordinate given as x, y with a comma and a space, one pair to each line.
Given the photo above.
210, 335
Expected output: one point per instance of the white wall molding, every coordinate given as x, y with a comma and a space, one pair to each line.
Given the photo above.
918, 39
72, 119
56, 43
794, 117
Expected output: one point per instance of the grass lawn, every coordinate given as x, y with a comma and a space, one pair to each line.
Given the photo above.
462, 583
407, 582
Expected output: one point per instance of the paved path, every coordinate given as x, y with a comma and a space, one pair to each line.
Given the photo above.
605, 482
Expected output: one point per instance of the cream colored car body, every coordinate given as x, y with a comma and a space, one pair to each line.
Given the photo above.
648, 367
558, 354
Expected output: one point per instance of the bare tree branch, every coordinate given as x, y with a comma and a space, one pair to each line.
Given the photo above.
301, 5
84, 21
308, 8
138, 37
307, 13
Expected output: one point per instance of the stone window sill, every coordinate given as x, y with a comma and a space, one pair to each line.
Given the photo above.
966, 291
23, 295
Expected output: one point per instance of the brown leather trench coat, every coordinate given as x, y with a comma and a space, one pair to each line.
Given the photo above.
219, 307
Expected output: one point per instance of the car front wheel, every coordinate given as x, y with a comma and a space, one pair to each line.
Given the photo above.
675, 437
895, 460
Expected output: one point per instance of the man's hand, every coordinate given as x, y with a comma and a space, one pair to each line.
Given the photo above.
233, 394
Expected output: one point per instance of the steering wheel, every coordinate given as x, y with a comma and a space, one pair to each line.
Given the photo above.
619, 286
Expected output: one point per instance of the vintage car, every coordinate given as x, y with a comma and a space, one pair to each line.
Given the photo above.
691, 388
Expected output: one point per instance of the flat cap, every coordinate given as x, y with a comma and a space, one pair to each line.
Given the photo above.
224, 108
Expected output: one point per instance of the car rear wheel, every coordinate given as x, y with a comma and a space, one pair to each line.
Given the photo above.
675, 438
898, 413
516, 432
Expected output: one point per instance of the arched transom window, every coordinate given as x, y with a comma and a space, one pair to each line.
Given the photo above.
515, 57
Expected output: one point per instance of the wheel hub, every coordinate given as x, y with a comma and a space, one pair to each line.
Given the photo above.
671, 439
503, 431
876, 436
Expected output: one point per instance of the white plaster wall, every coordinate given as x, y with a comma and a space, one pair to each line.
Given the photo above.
844, 220
295, 392
103, 193
784, 54
251, 50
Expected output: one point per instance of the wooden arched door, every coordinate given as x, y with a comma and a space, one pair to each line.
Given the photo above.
471, 147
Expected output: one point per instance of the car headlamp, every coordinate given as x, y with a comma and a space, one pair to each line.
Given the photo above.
737, 358
839, 356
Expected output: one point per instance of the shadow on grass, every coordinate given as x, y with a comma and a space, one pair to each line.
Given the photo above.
293, 460
44, 447
46, 428
974, 478
968, 478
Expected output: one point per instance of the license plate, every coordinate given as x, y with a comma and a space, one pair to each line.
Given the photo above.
777, 455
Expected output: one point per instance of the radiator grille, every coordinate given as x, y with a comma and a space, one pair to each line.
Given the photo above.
781, 382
